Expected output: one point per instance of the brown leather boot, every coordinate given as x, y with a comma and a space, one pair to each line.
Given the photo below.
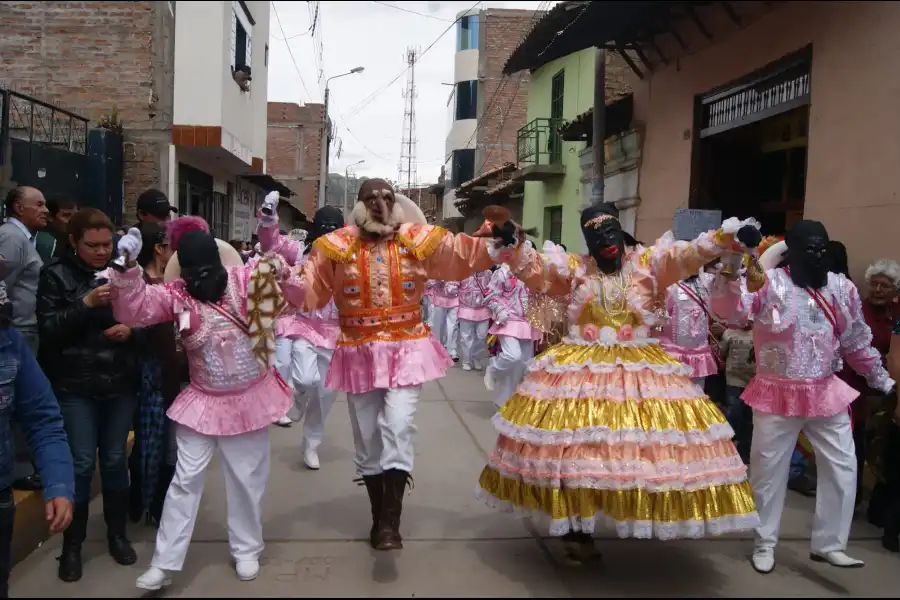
388, 534
375, 487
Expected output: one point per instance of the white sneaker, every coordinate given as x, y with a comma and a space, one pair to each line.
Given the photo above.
153, 579
489, 379
311, 459
467, 367
837, 559
478, 366
763, 560
284, 421
247, 570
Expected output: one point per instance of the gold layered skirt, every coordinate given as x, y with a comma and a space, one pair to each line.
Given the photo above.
617, 435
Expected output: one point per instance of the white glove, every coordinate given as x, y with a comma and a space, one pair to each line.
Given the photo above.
130, 244
268, 213
271, 201
502, 317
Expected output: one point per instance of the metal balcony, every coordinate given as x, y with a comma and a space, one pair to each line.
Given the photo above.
539, 151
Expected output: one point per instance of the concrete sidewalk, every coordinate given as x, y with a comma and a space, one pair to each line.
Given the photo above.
316, 524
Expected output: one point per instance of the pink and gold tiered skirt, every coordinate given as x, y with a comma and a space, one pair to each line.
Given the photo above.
617, 435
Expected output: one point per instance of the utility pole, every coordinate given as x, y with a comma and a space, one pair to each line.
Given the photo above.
599, 126
323, 157
407, 168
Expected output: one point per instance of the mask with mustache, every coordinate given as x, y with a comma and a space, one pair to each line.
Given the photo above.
807, 254
376, 213
201, 266
604, 236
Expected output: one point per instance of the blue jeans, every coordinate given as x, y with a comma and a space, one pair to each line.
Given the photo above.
7, 518
740, 417
102, 424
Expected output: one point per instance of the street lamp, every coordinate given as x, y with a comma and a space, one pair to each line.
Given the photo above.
326, 135
347, 184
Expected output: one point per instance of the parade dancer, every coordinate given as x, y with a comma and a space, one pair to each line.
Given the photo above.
226, 312
607, 427
805, 321
376, 271
308, 338
686, 335
428, 303
283, 331
508, 300
445, 322
474, 320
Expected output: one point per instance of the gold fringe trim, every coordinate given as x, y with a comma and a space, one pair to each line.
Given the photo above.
333, 252
425, 248
647, 414
674, 506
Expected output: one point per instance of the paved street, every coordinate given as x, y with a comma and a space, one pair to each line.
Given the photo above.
316, 523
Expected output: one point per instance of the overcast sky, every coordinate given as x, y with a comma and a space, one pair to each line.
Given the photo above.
374, 35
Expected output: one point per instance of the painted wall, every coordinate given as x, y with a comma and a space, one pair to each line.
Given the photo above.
853, 183
565, 191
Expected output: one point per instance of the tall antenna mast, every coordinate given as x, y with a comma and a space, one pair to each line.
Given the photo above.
407, 168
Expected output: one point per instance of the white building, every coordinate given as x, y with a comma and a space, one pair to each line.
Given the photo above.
463, 110
218, 155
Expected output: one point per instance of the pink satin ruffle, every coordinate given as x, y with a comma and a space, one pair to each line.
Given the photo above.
473, 314
322, 334
799, 398
701, 360
233, 412
514, 328
386, 365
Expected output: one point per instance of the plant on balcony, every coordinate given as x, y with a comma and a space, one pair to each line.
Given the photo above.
112, 122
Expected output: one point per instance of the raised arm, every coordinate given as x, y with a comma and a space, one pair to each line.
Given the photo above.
671, 261
137, 304
317, 278
446, 256
270, 240
552, 272
856, 340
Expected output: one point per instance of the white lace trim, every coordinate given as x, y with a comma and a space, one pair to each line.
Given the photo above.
600, 474
548, 363
625, 529
602, 434
606, 392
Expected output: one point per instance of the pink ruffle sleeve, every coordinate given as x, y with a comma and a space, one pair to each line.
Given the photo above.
270, 240
137, 304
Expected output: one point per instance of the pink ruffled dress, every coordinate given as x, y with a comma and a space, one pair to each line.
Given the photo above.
798, 353
508, 296
230, 392
472, 293
686, 334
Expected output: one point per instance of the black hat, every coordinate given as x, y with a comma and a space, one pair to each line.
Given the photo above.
595, 210
154, 202
198, 249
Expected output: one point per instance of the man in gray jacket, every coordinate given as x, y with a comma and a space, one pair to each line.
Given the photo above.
20, 270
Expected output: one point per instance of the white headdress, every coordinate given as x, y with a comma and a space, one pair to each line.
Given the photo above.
411, 212
773, 255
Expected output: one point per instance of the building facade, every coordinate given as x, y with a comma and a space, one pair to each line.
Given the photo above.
485, 110
294, 150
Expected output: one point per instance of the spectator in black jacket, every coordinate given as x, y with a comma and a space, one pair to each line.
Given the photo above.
92, 363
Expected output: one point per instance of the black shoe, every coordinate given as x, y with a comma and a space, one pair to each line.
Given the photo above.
891, 543
375, 488
388, 537
32, 483
115, 513
70, 563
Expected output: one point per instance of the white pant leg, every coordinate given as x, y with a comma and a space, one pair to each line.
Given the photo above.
398, 432
832, 440
480, 352
439, 324
245, 463
427, 310
364, 410
452, 344
320, 403
508, 366
467, 340
283, 358
774, 439
304, 373
179, 515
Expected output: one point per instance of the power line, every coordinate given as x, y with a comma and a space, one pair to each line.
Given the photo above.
369, 99
413, 12
290, 52
312, 25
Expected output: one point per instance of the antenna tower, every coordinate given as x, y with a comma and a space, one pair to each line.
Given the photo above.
407, 170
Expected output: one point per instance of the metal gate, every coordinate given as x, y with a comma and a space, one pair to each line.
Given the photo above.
55, 150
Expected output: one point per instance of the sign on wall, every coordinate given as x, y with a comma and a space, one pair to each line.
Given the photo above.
243, 207
691, 222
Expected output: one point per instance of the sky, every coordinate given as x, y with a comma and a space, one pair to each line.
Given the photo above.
373, 35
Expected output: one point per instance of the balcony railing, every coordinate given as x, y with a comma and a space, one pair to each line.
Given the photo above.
539, 150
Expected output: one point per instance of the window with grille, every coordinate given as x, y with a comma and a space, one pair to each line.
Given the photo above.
241, 32
553, 224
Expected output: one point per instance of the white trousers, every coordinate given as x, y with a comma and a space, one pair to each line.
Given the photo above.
509, 366
774, 439
427, 310
245, 463
305, 366
445, 328
383, 429
473, 341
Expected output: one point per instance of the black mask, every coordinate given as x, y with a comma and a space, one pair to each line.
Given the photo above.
326, 220
201, 266
606, 240
807, 254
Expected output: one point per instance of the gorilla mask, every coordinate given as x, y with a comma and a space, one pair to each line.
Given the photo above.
201, 266
807, 254
326, 220
604, 236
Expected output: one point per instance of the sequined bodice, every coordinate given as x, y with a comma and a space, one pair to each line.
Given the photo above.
688, 325
220, 355
609, 304
792, 336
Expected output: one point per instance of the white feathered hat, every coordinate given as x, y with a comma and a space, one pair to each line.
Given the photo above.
411, 211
